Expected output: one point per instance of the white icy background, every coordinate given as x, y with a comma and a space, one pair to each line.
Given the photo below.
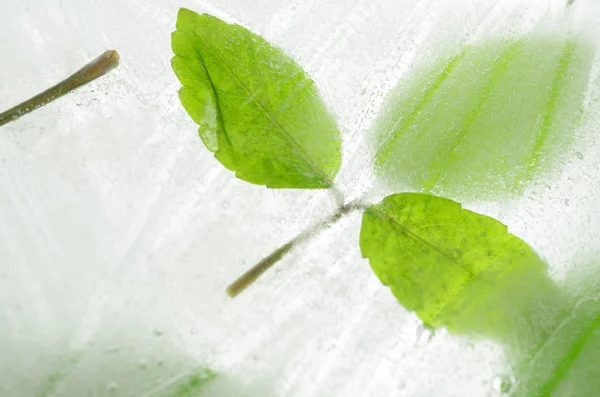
119, 232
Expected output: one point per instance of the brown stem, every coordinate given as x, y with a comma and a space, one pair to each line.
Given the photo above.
96, 68
249, 277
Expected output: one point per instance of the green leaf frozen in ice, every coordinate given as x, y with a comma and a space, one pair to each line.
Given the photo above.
256, 108
484, 122
453, 267
565, 361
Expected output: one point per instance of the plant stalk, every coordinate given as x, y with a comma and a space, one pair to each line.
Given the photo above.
90, 72
250, 276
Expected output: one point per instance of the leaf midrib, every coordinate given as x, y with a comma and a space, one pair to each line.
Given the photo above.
416, 237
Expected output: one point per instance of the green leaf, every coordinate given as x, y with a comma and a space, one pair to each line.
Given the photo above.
567, 364
85, 373
484, 122
256, 108
456, 268
196, 384
564, 362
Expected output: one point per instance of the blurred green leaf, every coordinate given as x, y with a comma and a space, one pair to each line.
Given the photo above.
567, 364
565, 361
256, 108
484, 122
119, 374
49, 383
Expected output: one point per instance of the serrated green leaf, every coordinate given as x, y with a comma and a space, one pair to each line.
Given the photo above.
256, 108
455, 268
484, 122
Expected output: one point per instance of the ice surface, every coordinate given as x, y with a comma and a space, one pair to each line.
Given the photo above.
119, 231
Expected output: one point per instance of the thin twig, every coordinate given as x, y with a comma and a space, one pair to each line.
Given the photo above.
249, 277
97, 68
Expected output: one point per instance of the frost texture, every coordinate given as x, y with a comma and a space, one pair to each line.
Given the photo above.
120, 231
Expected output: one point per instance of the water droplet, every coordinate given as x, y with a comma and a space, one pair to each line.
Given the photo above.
225, 204
143, 365
579, 155
158, 333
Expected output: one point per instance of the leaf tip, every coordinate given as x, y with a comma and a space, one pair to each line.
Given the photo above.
185, 16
